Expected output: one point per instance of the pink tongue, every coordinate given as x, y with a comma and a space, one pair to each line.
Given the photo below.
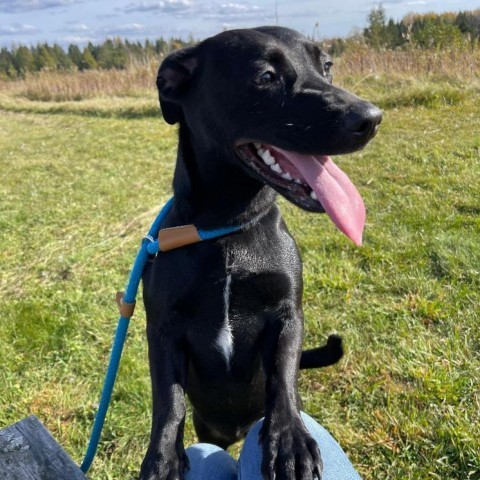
335, 191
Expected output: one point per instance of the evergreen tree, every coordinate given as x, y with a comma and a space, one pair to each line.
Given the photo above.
94, 50
394, 35
23, 60
62, 60
149, 49
161, 46
75, 55
88, 61
112, 54
7, 68
376, 32
469, 24
44, 60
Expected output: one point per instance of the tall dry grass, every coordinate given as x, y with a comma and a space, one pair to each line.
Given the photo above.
455, 64
138, 80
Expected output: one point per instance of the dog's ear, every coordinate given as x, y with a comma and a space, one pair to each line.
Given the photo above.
173, 80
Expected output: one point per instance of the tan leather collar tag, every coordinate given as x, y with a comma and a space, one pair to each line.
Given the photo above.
176, 237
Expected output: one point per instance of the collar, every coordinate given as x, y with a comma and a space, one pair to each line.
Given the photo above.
166, 239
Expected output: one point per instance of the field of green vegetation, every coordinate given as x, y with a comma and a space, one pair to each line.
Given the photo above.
81, 182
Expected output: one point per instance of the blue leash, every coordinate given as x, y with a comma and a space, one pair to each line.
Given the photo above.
152, 243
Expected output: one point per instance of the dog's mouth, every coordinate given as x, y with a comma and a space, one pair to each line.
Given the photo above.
313, 182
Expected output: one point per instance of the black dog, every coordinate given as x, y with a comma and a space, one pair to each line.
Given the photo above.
258, 114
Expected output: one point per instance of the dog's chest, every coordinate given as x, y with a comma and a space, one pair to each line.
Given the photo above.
257, 278
248, 299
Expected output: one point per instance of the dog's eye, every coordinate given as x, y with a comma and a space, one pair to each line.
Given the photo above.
327, 66
265, 78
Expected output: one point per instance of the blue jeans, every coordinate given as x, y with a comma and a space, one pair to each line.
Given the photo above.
209, 462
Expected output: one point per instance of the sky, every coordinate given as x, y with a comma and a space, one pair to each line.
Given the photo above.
30, 22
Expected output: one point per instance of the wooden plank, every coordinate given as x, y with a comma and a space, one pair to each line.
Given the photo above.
29, 452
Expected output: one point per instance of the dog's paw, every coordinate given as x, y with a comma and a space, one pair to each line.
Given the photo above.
289, 451
162, 467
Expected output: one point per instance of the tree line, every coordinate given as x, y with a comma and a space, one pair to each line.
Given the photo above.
21, 60
427, 31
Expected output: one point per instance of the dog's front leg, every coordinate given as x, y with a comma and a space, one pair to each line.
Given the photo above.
289, 451
166, 458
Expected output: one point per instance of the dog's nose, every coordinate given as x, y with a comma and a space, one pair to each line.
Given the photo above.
363, 119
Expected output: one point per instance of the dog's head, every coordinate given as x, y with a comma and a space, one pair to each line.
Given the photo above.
267, 94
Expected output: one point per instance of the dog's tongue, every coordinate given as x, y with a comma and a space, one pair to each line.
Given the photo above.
335, 191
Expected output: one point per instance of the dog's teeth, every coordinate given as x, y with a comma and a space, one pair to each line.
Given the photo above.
267, 158
287, 176
297, 180
257, 145
276, 168
313, 195
261, 151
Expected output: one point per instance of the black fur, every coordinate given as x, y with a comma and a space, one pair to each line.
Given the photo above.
217, 94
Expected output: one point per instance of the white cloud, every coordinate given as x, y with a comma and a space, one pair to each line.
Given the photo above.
16, 6
234, 12
162, 6
227, 12
76, 39
398, 3
18, 29
77, 27
124, 29
239, 8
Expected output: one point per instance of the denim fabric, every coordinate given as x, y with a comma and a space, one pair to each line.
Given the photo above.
209, 462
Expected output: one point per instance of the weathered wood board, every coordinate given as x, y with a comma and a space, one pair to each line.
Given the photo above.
29, 452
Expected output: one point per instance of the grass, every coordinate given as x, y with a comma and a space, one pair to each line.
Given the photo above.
82, 180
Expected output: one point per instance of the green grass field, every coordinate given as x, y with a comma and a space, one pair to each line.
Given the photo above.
81, 183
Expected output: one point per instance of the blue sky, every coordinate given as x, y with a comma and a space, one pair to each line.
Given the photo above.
79, 21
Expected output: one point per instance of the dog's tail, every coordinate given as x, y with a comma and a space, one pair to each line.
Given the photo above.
324, 356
